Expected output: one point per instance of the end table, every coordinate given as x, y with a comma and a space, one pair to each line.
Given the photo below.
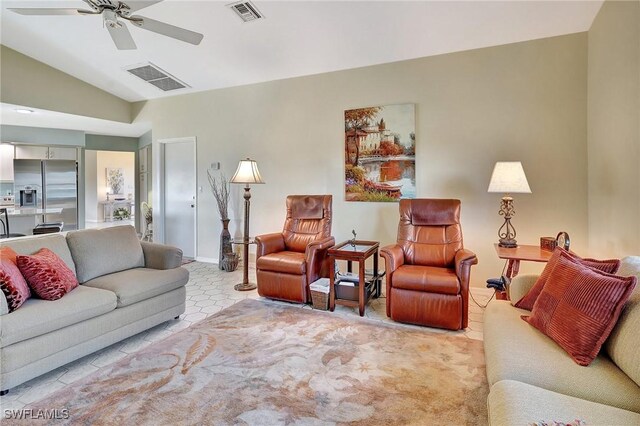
368, 286
513, 255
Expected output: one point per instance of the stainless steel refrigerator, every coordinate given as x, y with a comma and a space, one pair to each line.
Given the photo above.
55, 183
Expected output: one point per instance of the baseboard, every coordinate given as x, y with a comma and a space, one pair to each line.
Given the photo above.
207, 259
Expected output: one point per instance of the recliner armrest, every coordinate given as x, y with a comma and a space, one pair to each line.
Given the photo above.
161, 256
315, 255
269, 243
464, 260
393, 256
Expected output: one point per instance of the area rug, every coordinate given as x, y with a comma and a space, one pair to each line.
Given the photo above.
261, 363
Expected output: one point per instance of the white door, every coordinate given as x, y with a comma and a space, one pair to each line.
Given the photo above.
180, 196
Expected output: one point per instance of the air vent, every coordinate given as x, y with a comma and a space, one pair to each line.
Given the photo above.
156, 76
246, 11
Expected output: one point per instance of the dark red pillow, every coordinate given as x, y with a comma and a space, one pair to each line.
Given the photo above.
47, 275
610, 266
12, 283
581, 307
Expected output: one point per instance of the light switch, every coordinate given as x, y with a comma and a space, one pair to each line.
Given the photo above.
215, 166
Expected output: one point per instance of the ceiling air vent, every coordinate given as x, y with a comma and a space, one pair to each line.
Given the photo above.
246, 11
156, 76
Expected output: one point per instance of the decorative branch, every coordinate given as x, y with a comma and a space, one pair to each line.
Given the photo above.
220, 190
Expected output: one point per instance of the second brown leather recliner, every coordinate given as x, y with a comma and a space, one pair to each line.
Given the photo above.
428, 270
288, 261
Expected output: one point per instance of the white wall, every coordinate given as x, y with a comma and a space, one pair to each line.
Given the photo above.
523, 101
91, 186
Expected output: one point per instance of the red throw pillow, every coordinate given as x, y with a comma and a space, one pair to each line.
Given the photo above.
47, 275
12, 283
610, 266
581, 307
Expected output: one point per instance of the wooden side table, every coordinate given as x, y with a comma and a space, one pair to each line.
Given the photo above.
358, 251
514, 255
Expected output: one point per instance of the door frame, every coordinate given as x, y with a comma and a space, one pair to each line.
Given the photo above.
158, 202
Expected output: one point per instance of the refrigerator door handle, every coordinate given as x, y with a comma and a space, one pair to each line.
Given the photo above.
43, 167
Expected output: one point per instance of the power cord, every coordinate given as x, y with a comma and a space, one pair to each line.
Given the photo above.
494, 293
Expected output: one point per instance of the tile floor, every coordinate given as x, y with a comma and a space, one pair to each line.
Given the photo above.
209, 291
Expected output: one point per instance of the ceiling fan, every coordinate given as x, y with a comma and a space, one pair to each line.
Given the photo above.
114, 13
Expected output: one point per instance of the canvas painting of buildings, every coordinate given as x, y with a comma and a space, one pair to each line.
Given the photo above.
380, 145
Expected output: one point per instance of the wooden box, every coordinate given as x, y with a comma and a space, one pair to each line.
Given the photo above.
548, 243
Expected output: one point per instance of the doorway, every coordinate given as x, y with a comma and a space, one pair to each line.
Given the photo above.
109, 194
179, 194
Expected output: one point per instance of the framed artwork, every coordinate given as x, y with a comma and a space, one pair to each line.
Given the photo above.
115, 180
379, 153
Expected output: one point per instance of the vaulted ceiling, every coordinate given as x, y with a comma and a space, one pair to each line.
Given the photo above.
296, 38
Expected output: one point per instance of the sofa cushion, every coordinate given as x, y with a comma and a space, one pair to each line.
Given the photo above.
516, 351
287, 262
47, 275
54, 242
98, 252
579, 307
624, 341
37, 316
133, 285
517, 403
12, 283
610, 266
431, 279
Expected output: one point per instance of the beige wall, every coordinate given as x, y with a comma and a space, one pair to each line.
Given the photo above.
614, 130
524, 101
27, 82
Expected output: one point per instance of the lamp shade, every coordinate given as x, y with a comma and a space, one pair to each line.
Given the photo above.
247, 172
509, 177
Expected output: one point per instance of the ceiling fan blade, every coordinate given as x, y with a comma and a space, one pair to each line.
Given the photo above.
122, 37
135, 5
168, 30
44, 11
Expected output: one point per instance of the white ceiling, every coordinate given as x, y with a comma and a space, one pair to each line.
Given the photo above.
297, 38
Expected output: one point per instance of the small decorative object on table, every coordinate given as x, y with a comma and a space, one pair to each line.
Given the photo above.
562, 240
121, 213
320, 294
353, 240
220, 190
230, 262
548, 243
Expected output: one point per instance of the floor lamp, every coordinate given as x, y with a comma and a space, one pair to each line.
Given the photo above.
247, 173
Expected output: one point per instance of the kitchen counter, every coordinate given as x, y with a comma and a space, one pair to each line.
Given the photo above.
31, 211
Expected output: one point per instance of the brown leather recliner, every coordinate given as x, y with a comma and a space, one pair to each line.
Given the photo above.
288, 261
428, 270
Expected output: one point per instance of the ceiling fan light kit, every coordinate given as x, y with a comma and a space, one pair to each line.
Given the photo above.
112, 11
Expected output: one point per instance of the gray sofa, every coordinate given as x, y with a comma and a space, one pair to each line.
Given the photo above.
533, 379
126, 286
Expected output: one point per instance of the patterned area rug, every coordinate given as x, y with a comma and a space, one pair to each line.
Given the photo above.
261, 364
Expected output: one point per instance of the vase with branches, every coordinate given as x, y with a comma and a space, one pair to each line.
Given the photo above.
220, 189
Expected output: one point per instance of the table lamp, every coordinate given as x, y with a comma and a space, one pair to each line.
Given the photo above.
508, 177
246, 173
